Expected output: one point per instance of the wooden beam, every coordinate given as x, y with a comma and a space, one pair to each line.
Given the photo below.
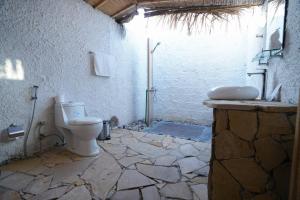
100, 4
147, 2
124, 11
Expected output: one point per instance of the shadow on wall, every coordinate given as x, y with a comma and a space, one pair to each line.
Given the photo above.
275, 40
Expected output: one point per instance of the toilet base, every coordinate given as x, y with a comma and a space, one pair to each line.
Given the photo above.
85, 148
82, 140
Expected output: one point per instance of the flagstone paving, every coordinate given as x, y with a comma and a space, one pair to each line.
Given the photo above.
132, 165
168, 174
190, 164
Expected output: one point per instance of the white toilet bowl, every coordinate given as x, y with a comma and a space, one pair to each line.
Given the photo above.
79, 130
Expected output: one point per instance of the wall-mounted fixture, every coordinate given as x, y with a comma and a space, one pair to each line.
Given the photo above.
14, 131
34, 98
264, 56
150, 92
264, 74
274, 36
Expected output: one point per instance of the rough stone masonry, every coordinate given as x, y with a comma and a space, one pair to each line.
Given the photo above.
251, 154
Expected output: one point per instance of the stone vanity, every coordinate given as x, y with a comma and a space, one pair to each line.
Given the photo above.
251, 150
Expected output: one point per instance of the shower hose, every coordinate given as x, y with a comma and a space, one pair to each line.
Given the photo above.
34, 98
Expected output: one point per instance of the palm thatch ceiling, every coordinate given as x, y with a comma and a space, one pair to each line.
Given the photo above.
124, 10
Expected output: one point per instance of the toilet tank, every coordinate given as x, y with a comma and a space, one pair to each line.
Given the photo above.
74, 110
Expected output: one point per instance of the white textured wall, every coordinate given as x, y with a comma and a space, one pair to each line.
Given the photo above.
49, 41
286, 70
186, 67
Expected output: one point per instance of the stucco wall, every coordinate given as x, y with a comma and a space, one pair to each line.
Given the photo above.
186, 66
46, 43
286, 70
186, 69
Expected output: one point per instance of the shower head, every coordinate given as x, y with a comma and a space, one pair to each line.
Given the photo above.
157, 44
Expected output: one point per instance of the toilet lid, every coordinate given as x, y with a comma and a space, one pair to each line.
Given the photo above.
85, 121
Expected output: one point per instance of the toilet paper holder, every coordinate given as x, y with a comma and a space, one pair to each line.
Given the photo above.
14, 131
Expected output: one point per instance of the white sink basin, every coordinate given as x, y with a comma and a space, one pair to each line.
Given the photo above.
233, 93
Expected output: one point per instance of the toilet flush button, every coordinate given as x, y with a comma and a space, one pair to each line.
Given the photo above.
77, 114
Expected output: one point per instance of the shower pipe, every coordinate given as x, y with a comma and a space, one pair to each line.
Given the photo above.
150, 90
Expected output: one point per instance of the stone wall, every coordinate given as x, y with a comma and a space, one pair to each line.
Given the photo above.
251, 155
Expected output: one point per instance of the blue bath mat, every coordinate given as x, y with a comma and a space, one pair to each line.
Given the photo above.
199, 133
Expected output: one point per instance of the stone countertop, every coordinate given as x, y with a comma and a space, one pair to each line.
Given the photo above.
251, 105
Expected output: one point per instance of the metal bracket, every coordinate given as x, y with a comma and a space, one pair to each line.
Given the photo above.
266, 54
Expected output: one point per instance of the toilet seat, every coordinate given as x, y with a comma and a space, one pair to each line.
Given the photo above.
85, 121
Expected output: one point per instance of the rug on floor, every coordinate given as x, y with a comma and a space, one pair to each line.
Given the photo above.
200, 133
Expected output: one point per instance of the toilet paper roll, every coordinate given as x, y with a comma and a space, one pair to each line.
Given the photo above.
60, 98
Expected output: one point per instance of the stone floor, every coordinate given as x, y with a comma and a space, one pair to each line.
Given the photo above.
132, 165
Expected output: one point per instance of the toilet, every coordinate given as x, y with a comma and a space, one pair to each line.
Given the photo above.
80, 131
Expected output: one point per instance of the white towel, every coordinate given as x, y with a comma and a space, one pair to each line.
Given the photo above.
103, 63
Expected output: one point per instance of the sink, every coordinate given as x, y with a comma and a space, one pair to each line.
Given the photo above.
233, 93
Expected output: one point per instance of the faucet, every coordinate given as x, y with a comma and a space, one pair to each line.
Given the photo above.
264, 73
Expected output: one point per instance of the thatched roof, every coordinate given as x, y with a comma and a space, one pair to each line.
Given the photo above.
124, 10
